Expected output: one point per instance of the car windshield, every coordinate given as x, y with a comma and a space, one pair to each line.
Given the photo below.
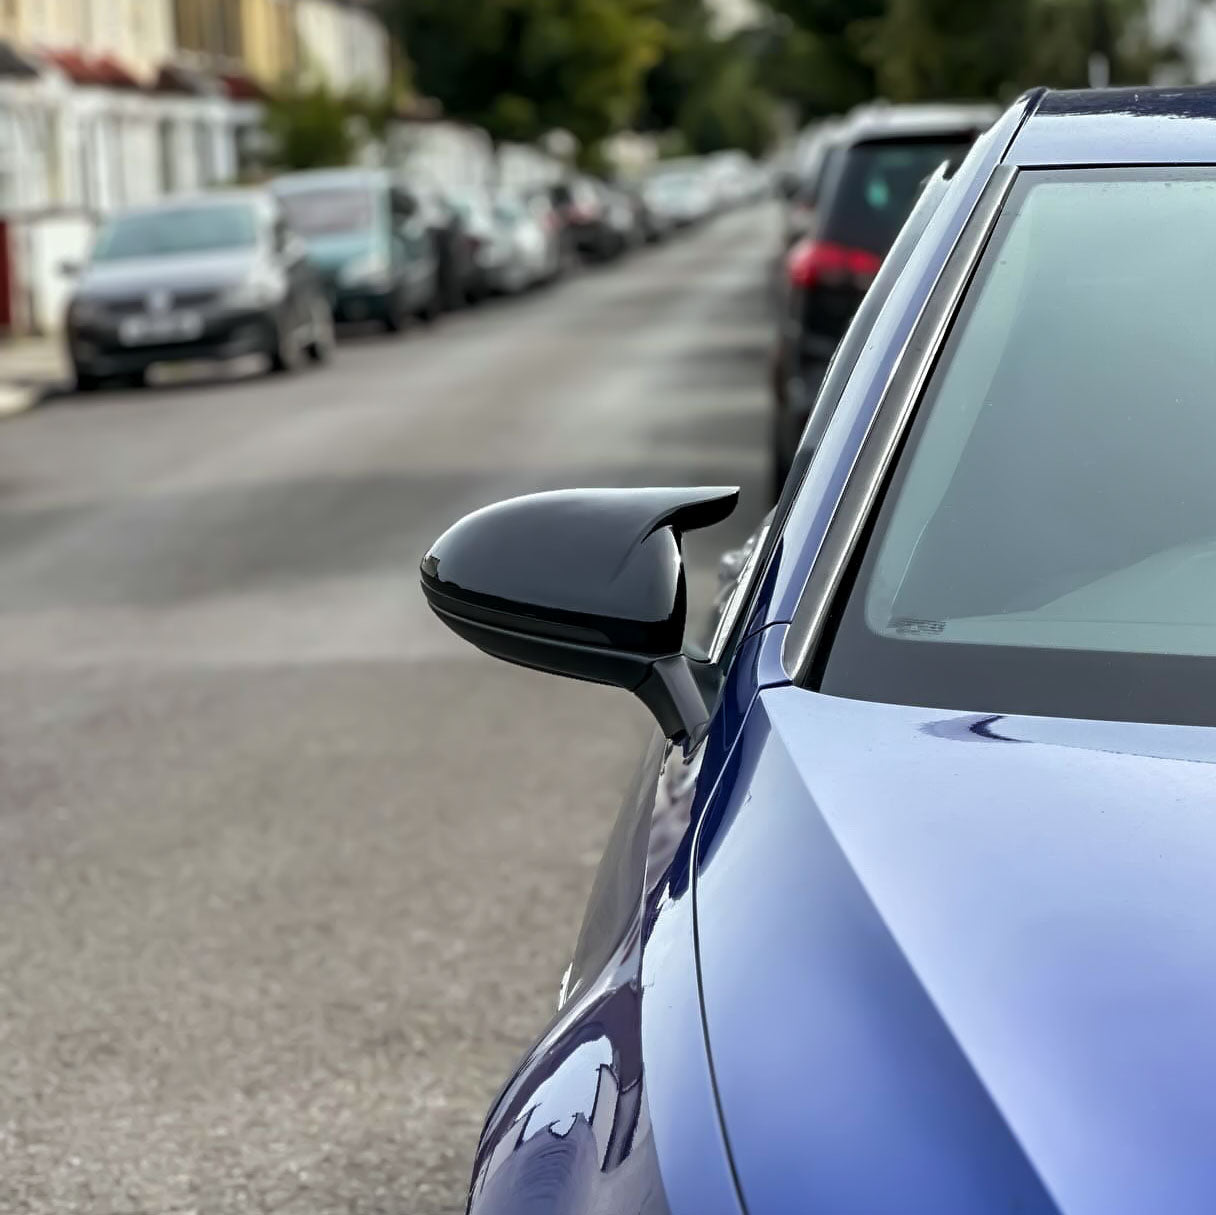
1049, 544
330, 210
199, 228
878, 185
670, 185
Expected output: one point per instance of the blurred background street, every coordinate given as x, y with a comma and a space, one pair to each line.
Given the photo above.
290, 874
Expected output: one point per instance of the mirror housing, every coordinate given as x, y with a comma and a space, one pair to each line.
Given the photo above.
586, 583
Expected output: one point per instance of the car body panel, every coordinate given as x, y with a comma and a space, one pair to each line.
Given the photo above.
410, 281
613, 1109
1120, 127
187, 275
197, 286
941, 960
987, 941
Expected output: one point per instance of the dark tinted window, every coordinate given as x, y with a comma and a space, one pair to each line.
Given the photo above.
1048, 542
876, 185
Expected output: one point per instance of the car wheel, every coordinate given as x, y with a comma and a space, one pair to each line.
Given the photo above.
289, 350
323, 341
86, 382
396, 317
431, 310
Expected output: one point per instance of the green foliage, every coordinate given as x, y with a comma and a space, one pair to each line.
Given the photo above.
521, 68
707, 88
1061, 35
821, 65
980, 48
912, 50
309, 128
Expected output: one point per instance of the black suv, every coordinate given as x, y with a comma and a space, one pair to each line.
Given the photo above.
865, 181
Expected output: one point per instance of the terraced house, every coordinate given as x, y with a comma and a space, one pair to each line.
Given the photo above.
109, 103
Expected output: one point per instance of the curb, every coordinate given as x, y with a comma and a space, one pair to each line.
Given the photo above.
20, 398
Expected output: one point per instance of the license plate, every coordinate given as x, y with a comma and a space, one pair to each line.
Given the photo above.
149, 330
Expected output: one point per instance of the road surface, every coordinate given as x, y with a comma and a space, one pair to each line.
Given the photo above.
288, 875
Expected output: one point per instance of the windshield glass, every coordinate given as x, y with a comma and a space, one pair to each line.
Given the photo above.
670, 185
878, 186
1057, 509
330, 211
199, 228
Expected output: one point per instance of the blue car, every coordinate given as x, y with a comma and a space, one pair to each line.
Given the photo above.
911, 908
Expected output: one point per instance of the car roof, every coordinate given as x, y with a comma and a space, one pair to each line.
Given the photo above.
1149, 125
311, 179
882, 120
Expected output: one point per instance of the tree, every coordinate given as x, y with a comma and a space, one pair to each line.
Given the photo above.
705, 87
946, 49
822, 67
309, 128
520, 68
915, 50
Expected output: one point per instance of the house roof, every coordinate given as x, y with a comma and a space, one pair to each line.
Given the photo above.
241, 88
102, 70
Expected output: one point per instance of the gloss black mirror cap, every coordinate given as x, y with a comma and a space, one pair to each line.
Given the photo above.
586, 583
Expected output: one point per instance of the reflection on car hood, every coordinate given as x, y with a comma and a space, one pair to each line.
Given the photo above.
963, 963
184, 273
330, 253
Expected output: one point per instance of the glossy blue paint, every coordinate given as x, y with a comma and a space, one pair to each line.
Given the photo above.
988, 972
613, 1110
896, 960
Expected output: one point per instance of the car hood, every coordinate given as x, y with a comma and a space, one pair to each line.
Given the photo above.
957, 963
184, 274
331, 253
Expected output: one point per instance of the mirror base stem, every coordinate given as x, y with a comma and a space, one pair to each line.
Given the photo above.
671, 692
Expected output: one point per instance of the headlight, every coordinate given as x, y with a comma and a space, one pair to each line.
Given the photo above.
86, 312
259, 290
370, 270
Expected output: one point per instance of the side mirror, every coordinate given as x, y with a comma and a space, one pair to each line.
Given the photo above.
587, 583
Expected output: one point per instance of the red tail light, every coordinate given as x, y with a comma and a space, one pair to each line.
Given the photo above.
821, 263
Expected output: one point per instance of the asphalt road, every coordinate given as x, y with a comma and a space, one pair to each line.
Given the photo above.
288, 875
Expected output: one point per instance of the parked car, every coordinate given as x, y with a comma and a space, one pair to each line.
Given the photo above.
210, 277
872, 171
651, 226
679, 196
545, 202
489, 242
460, 278
801, 181
909, 908
368, 243
595, 230
622, 218
532, 247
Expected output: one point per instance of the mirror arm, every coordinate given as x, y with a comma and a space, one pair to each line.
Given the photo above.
676, 694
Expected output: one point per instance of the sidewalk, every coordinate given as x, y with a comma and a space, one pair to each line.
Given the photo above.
31, 369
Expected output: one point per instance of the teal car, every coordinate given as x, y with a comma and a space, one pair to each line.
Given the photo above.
372, 250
